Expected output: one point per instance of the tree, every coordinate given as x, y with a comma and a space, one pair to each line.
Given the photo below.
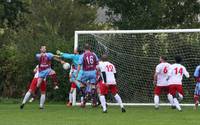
12, 13
151, 14
51, 23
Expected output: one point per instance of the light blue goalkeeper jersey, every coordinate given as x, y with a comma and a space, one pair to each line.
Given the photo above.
73, 57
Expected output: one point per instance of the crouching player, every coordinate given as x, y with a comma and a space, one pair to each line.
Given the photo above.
33, 87
108, 74
175, 74
197, 88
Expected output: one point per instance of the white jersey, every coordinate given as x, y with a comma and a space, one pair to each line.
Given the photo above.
109, 70
161, 71
176, 73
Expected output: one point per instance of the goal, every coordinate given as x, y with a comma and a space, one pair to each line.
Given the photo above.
136, 53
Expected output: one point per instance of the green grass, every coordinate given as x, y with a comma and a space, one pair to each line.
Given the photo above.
53, 114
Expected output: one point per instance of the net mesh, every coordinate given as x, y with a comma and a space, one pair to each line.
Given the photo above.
136, 56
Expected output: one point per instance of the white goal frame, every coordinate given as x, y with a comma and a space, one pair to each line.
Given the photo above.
135, 32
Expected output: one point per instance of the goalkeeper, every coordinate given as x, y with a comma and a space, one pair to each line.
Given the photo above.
74, 57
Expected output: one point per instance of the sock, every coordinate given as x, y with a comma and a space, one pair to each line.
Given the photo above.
177, 104
54, 79
74, 97
180, 96
196, 99
170, 98
42, 100
82, 99
70, 97
103, 102
26, 97
94, 98
156, 101
119, 100
82, 93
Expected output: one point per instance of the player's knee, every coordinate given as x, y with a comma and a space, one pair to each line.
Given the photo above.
43, 92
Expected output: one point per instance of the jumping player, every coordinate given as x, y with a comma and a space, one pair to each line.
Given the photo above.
88, 61
45, 70
160, 81
108, 74
197, 88
175, 75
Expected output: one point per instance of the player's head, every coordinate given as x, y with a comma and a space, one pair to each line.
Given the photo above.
78, 51
163, 58
43, 49
104, 57
87, 46
178, 59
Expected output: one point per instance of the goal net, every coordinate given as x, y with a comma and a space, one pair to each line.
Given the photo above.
136, 53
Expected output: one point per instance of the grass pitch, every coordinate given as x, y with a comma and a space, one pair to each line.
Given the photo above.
10, 114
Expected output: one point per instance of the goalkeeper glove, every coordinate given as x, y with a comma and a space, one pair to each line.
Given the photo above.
59, 52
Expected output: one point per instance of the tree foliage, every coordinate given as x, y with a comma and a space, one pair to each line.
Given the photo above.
151, 14
28, 24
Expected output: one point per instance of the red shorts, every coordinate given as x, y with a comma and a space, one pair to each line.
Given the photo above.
161, 89
73, 85
34, 85
175, 88
104, 89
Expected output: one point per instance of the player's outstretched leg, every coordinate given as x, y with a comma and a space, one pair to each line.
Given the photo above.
26, 98
156, 101
103, 103
176, 102
119, 101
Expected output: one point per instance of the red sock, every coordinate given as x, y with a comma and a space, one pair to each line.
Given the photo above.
196, 99
54, 79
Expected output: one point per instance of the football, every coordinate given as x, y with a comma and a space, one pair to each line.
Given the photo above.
66, 66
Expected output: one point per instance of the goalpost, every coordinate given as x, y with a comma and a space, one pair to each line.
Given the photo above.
136, 53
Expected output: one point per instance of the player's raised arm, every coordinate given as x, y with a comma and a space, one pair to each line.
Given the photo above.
65, 55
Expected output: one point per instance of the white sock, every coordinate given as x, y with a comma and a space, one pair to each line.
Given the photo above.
170, 98
103, 102
26, 97
177, 104
70, 97
74, 97
180, 97
82, 99
119, 100
42, 100
156, 101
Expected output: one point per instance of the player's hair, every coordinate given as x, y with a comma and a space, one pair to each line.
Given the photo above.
104, 57
178, 59
163, 58
87, 46
79, 50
